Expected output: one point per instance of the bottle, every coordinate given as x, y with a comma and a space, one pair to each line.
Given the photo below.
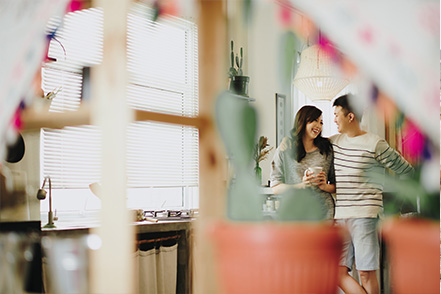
270, 204
258, 172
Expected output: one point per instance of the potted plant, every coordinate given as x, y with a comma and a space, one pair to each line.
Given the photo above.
297, 252
260, 153
412, 239
238, 83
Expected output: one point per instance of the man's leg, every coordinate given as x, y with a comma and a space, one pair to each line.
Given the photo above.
369, 281
347, 283
367, 256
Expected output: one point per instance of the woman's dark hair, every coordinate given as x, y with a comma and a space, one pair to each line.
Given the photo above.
305, 115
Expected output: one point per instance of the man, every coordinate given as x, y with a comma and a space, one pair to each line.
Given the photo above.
358, 197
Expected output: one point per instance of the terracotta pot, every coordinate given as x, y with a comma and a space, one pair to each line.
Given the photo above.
413, 248
277, 258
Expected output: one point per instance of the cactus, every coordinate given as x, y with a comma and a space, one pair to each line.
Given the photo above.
241, 58
239, 63
232, 72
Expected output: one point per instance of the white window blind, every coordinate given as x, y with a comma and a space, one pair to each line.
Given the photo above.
163, 75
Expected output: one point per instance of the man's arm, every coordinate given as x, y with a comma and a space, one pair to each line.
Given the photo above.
390, 158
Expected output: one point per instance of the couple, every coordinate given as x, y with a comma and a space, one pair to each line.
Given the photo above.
344, 158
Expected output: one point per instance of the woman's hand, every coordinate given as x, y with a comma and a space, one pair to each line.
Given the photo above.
321, 180
322, 183
308, 179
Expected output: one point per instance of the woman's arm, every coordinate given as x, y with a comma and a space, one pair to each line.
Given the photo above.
330, 188
280, 188
306, 182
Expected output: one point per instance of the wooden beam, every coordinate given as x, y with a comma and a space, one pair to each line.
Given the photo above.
213, 67
198, 122
112, 268
34, 120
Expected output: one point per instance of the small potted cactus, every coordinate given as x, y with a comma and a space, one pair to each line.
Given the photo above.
238, 83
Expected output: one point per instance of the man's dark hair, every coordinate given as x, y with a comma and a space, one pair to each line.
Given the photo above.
346, 102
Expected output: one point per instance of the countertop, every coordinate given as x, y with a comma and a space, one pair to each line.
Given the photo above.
83, 225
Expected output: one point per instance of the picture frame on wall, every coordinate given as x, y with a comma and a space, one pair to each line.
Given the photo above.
280, 117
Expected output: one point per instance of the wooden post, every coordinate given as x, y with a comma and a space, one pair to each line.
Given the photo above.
112, 264
212, 184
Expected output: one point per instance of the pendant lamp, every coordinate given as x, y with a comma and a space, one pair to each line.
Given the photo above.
317, 76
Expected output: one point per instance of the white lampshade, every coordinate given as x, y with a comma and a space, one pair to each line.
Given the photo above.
317, 76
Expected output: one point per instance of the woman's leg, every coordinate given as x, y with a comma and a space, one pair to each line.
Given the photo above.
369, 281
347, 283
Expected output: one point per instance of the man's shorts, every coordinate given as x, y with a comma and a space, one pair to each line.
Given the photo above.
362, 244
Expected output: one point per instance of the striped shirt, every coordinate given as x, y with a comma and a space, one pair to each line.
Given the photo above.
358, 195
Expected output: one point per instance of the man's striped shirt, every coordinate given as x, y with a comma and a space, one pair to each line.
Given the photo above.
358, 195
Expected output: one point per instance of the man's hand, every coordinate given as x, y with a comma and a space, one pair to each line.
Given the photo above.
285, 144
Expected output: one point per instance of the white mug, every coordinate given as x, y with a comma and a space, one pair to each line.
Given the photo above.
315, 170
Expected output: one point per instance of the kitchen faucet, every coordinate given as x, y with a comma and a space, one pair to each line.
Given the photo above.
41, 195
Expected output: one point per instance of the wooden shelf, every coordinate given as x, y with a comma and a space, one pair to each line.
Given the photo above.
249, 99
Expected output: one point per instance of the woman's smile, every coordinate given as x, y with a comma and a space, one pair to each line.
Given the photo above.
316, 131
314, 128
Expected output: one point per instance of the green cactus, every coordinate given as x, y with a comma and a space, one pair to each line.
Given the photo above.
232, 72
239, 62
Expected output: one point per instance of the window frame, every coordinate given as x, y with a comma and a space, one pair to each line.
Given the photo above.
188, 194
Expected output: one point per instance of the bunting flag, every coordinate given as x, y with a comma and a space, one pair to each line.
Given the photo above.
395, 43
24, 41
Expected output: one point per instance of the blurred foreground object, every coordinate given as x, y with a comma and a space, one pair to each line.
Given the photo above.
294, 258
16, 151
412, 246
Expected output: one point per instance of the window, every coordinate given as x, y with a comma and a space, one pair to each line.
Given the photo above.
162, 159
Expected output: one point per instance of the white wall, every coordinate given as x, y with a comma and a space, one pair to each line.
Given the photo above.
263, 40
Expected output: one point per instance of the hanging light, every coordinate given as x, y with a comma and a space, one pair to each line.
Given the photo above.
317, 77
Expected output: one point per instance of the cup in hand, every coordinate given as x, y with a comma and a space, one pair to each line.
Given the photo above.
314, 170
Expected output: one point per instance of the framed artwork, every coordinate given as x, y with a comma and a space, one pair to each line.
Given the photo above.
280, 118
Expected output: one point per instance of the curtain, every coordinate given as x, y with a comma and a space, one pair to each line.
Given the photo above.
157, 269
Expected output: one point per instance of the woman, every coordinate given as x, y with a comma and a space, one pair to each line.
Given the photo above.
305, 148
